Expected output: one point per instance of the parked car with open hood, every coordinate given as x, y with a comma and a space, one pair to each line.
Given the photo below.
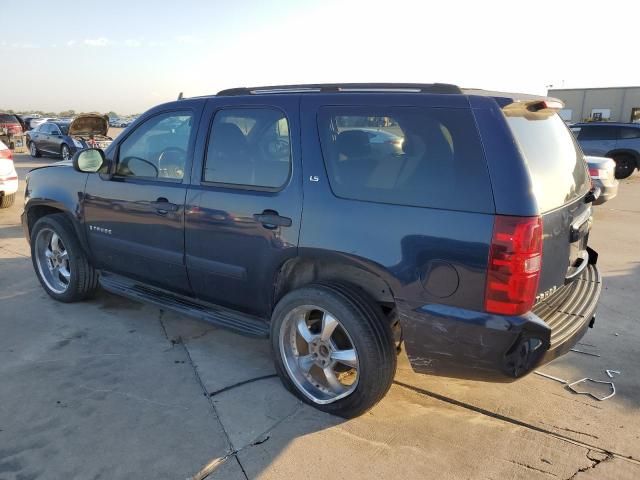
66, 138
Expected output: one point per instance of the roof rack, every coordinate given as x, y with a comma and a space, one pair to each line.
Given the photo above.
345, 87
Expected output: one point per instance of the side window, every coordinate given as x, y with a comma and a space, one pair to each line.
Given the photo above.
598, 133
628, 133
54, 130
45, 128
425, 157
249, 147
157, 148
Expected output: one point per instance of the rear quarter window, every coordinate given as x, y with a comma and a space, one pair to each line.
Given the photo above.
415, 156
627, 133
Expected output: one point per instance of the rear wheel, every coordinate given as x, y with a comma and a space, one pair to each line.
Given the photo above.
7, 200
625, 165
333, 348
59, 261
33, 150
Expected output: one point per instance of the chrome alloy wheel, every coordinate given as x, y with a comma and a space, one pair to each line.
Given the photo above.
319, 355
66, 153
52, 260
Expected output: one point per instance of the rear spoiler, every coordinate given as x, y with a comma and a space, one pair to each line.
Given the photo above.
532, 102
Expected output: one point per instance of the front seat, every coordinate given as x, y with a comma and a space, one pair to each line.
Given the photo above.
229, 159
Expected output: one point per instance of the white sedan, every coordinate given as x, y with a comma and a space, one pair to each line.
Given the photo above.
8, 177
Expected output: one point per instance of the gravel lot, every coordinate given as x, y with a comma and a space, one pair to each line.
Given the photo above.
114, 389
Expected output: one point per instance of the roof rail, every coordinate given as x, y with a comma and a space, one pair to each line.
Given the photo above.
345, 87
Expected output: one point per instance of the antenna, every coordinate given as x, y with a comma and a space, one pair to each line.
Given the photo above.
180, 95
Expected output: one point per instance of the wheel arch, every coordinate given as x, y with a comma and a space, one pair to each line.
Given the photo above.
317, 266
39, 209
625, 151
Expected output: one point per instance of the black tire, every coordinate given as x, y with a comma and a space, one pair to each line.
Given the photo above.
83, 280
625, 165
7, 200
371, 335
33, 150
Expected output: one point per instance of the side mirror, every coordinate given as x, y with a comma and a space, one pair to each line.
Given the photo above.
88, 161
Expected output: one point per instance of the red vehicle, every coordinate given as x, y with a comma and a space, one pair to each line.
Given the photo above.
10, 123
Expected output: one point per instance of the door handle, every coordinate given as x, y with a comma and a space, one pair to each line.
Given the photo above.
163, 206
271, 220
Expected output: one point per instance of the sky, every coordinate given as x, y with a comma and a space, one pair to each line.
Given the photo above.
128, 56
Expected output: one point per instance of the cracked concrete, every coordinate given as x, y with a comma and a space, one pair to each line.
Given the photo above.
115, 389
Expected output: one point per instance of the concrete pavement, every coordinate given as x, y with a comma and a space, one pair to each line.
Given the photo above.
114, 389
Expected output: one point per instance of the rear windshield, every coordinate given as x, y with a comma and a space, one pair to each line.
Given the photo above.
6, 118
557, 166
424, 157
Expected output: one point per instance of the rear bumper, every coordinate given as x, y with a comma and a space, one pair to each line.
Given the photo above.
455, 342
608, 190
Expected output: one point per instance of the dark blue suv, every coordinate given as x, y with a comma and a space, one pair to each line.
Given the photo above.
341, 221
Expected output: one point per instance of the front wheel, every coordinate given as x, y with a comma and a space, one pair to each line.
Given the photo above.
59, 261
333, 348
33, 150
65, 152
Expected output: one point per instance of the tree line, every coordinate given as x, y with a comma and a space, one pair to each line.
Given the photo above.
64, 113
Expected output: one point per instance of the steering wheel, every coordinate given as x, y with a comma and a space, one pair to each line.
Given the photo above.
124, 163
171, 162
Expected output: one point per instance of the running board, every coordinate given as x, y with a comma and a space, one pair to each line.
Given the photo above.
218, 316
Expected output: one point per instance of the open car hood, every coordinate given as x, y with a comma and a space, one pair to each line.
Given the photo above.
89, 125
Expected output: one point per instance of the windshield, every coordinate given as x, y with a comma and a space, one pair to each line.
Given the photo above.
556, 163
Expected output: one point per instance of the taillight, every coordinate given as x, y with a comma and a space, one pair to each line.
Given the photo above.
598, 174
6, 154
515, 261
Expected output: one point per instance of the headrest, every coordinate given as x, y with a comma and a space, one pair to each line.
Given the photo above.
353, 143
229, 139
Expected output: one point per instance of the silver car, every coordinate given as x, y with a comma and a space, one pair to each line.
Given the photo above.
601, 170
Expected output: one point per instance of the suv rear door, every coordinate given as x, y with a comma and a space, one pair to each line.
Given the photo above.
245, 201
560, 181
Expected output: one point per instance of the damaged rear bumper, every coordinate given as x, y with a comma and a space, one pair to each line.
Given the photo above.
451, 341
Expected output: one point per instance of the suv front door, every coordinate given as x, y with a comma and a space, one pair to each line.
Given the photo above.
245, 202
134, 217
